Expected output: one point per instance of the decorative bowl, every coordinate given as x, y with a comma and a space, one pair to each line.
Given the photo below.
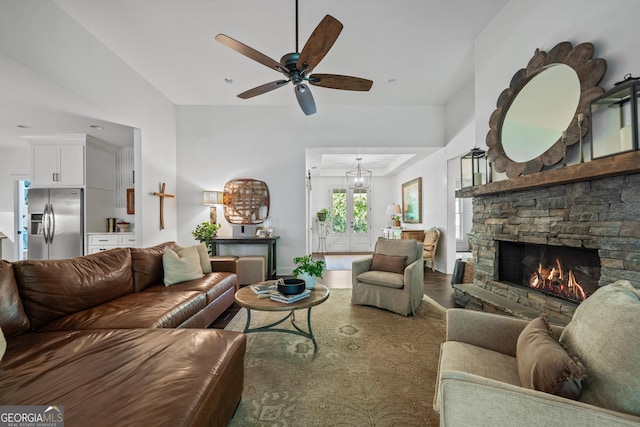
291, 286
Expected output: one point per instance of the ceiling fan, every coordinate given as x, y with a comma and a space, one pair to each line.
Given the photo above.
297, 66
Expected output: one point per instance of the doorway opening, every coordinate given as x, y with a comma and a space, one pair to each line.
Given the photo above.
349, 222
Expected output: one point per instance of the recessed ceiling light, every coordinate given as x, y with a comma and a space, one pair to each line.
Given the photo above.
228, 80
97, 127
23, 126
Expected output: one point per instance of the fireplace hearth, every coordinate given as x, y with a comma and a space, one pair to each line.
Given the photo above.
566, 273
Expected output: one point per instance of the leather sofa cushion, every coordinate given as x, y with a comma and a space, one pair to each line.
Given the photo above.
212, 285
157, 377
147, 265
51, 289
136, 310
13, 319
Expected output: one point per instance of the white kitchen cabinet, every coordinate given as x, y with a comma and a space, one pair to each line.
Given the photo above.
57, 165
99, 242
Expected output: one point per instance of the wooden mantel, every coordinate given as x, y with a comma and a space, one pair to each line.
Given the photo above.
619, 164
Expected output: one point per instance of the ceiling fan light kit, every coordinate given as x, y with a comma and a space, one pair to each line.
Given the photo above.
297, 66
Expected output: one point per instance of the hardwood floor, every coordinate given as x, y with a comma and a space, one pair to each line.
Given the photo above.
437, 286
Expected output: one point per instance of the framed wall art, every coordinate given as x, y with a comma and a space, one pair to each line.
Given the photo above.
412, 201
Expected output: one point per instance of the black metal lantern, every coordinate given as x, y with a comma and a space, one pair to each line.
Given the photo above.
473, 168
614, 119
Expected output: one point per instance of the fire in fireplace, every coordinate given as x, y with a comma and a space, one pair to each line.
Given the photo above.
567, 273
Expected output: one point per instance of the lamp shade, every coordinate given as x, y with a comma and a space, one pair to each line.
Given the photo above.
394, 209
211, 198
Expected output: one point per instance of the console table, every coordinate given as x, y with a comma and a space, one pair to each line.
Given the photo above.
399, 233
270, 242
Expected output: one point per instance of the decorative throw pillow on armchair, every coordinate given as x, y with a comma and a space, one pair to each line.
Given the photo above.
544, 364
390, 263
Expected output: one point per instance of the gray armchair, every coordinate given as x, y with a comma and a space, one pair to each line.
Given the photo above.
392, 278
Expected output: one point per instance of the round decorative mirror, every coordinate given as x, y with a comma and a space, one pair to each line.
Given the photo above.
542, 103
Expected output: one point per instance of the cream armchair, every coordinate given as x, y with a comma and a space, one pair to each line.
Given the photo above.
479, 379
392, 278
430, 245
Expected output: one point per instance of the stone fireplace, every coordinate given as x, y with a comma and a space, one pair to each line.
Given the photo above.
599, 218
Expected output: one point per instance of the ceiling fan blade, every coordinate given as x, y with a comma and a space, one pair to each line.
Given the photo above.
250, 52
259, 90
336, 81
319, 43
305, 99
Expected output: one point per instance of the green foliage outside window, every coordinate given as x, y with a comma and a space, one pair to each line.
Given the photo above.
339, 213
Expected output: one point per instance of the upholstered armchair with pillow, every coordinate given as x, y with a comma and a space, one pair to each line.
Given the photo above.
498, 370
392, 278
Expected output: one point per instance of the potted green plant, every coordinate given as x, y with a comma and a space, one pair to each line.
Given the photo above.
322, 214
205, 231
396, 220
308, 270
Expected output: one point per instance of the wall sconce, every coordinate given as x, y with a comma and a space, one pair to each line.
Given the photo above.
394, 210
614, 119
473, 168
212, 198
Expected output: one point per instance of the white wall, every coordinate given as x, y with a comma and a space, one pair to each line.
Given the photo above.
217, 144
38, 35
433, 171
510, 40
460, 131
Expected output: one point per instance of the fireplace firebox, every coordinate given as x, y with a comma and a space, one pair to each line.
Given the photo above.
563, 272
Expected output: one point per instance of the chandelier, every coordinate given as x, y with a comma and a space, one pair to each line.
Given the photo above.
358, 177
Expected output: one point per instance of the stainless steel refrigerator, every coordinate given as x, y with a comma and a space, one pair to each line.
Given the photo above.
56, 223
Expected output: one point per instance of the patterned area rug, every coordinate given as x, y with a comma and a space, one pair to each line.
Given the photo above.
373, 367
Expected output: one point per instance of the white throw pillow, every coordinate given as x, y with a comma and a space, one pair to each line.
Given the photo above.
3, 344
203, 252
181, 266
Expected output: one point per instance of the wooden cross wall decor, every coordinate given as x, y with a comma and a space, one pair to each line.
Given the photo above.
162, 194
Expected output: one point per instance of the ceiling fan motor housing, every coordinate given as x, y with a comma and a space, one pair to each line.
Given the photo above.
289, 61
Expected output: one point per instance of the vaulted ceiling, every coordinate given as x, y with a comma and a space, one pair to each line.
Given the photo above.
417, 52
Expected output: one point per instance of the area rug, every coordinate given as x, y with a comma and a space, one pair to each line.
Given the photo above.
372, 368
340, 262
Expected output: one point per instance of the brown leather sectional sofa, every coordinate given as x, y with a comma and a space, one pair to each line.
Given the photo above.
102, 336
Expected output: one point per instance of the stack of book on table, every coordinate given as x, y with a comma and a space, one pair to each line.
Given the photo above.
264, 288
288, 299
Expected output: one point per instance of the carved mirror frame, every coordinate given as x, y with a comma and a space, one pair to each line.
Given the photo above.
589, 70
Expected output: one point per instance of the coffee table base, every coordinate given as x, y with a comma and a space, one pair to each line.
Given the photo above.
270, 327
